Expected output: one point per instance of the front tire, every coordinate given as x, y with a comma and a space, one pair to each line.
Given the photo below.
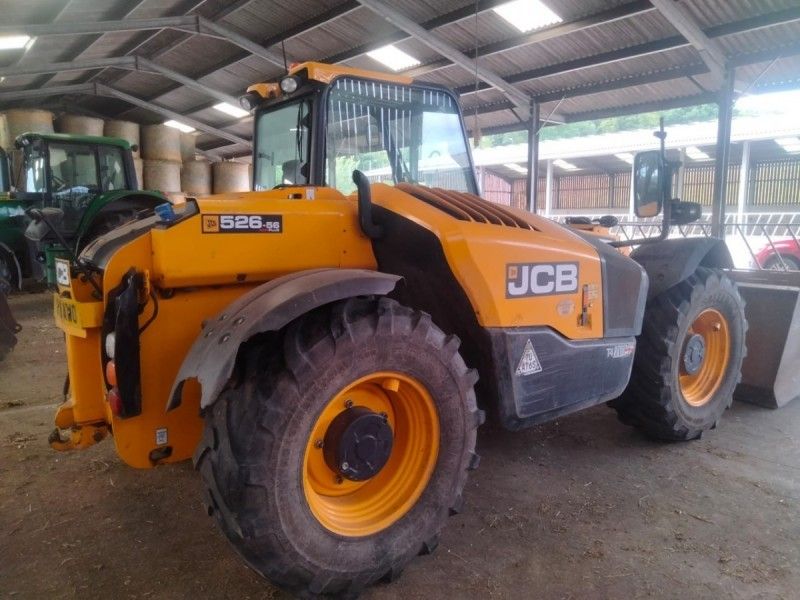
291, 512
688, 358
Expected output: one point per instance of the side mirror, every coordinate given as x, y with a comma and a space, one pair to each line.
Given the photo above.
649, 176
43, 222
683, 213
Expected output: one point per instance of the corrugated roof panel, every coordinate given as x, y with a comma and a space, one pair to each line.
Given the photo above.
262, 19
265, 18
714, 12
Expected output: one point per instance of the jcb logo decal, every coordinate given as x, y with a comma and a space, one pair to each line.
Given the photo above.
210, 223
541, 279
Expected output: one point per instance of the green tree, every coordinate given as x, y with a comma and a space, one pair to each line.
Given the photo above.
676, 116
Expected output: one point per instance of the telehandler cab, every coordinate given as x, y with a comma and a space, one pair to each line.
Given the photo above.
326, 345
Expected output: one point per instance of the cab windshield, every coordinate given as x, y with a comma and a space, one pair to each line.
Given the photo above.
395, 133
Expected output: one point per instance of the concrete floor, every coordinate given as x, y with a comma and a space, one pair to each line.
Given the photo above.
580, 508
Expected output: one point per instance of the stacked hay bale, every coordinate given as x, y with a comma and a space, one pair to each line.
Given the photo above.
16, 121
79, 125
161, 151
188, 147
126, 130
196, 177
231, 176
129, 131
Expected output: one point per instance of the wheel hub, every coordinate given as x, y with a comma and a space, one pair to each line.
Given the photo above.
358, 443
694, 354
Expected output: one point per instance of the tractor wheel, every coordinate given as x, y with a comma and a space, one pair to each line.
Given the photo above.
8, 273
773, 263
341, 445
688, 358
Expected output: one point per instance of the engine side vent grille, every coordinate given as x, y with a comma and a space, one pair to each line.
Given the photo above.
465, 207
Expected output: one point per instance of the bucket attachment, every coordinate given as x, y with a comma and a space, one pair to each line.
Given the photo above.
771, 370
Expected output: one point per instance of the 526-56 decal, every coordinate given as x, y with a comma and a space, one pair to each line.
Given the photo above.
242, 223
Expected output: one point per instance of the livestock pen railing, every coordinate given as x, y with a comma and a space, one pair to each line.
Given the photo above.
756, 240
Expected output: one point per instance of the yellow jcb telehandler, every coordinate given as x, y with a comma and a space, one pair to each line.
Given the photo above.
326, 345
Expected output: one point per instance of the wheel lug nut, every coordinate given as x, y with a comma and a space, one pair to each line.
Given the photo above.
717, 326
339, 479
348, 403
345, 466
318, 444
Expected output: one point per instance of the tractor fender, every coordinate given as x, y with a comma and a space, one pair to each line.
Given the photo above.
268, 307
671, 261
121, 198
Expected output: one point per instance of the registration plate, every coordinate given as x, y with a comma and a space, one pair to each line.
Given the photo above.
66, 310
74, 317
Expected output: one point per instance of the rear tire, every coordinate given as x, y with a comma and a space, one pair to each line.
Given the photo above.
667, 398
773, 263
261, 435
8, 273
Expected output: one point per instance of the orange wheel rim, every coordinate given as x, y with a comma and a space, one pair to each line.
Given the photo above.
699, 386
359, 508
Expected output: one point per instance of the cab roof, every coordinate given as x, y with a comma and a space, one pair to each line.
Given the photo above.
325, 74
94, 140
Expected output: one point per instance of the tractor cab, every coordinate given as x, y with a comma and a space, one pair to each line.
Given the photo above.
66, 190
68, 173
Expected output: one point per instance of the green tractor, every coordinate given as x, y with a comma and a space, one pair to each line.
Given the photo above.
66, 190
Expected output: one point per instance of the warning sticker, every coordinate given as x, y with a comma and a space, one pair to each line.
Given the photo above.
161, 437
621, 350
529, 363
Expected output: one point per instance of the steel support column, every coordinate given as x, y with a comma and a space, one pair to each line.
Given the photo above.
532, 201
680, 184
725, 104
631, 201
744, 182
548, 190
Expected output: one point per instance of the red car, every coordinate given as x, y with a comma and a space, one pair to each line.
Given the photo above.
789, 252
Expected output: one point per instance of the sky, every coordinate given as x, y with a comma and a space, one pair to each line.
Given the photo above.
786, 103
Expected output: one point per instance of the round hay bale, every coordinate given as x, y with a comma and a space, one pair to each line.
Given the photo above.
196, 177
19, 120
15, 164
79, 125
138, 166
188, 148
162, 175
176, 197
230, 176
5, 135
160, 142
127, 130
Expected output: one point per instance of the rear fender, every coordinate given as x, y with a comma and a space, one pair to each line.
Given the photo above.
268, 307
671, 261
